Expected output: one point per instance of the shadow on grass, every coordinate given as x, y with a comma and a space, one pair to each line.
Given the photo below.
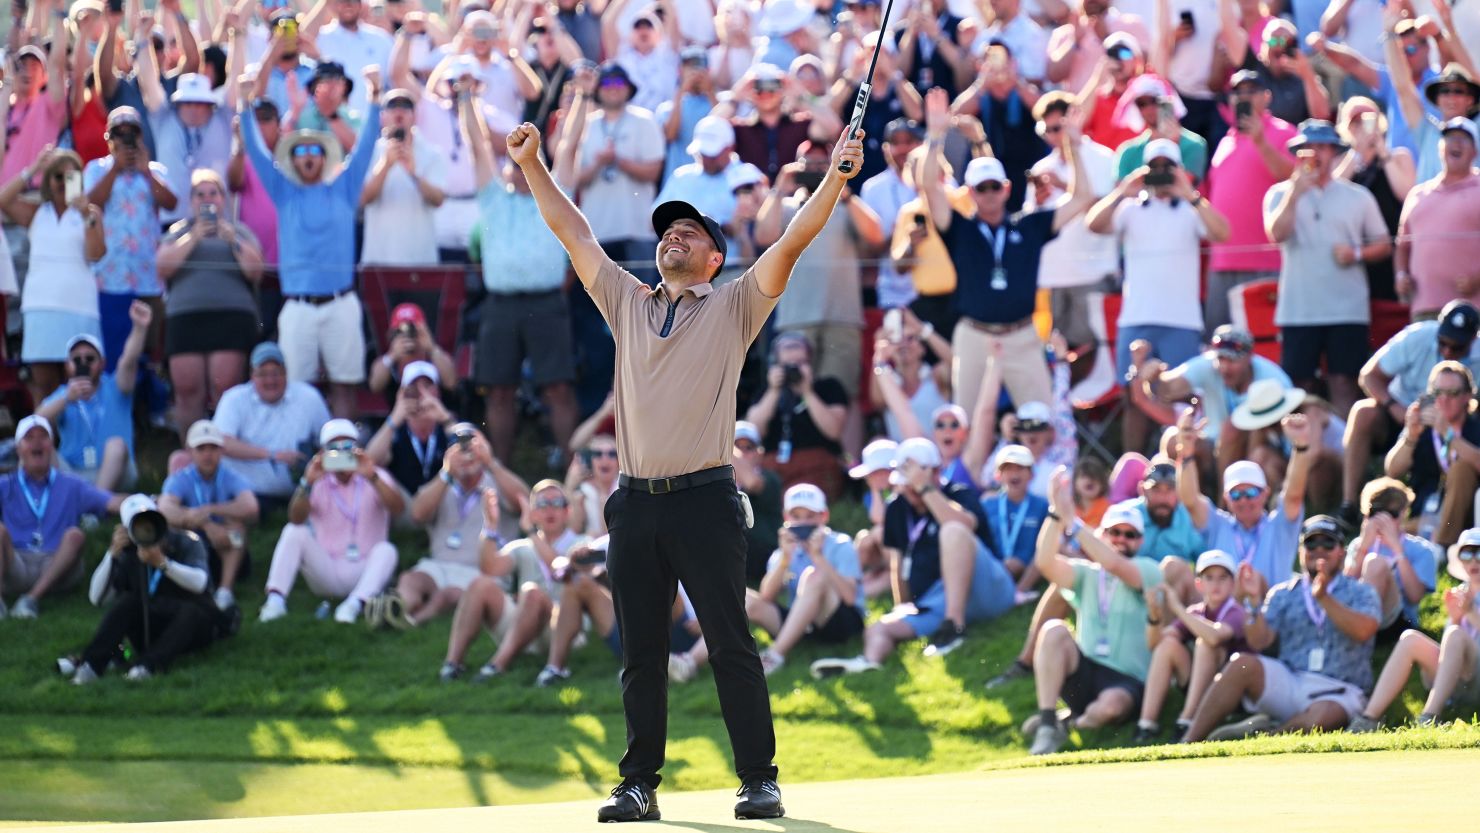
785, 825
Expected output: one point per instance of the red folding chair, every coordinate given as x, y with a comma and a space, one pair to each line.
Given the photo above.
1097, 398
1252, 307
438, 290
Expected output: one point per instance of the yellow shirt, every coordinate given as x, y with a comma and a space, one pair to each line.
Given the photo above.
932, 270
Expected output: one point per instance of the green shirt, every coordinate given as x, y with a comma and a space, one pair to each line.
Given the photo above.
1123, 625
1132, 154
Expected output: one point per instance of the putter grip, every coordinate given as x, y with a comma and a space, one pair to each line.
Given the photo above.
860, 105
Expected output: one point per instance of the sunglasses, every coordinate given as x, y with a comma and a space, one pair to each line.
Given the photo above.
947, 425
124, 135
550, 503
1411, 49
1468, 554
1161, 165
1278, 42
768, 87
1143, 103
745, 446
608, 453
1127, 534
1248, 492
1320, 542
613, 82
1453, 393
341, 445
308, 150
1454, 90
991, 186
1121, 53
744, 189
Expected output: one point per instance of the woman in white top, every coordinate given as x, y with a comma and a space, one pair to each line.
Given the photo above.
590, 481
60, 298
904, 387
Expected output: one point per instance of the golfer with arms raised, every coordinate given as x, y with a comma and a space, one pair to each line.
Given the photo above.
677, 515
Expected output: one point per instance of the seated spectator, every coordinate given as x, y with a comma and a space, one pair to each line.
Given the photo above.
763, 487
338, 529
951, 431
1400, 567
953, 578
813, 586
1214, 626
1170, 536
41, 508
161, 620
1049, 434
702, 182
1015, 539
93, 412
1437, 452
269, 426
910, 391
591, 480
585, 592
803, 414
1098, 669
1258, 438
414, 438
60, 296
409, 341
448, 506
1396, 376
1439, 227
403, 190
1450, 668
874, 469
216, 504
513, 598
1323, 623
213, 266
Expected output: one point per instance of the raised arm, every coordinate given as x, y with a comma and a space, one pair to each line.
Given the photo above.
773, 268
140, 315
150, 86
559, 213
1231, 32
1298, 433
932, 188
485, 168
1047, 558
105, 79
1081, 190
1409, 103
1347, 59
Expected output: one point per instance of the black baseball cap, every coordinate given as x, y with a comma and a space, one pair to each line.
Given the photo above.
1247, 76
672, 211
1321, 525
1459, 321
904, 125
1160, 472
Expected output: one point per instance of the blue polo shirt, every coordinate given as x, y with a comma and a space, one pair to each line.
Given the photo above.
1270, 546
1179, 538
194, 490
971, 243
1400, 135
91, 423
1014, 525
62, 500
1422, 556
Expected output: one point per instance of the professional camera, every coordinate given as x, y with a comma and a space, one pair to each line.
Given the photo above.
145, 524
792, 375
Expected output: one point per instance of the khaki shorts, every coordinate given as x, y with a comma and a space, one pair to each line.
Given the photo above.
447, 573
25, 569
1288, 692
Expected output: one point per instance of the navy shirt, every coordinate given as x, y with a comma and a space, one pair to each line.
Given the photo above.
970, 243
917, 534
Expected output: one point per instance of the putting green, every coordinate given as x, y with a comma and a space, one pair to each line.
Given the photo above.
1347, 792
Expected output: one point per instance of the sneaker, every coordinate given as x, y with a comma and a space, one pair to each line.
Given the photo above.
84, 675
839, 666
681, 668
276, 607
631, 800
395, 613
450, 671
771, 661
1146, 734
1361, 724
1016, 671
1030, 726
224, 598
1022, 597
1049, 738
25, 608
1426, 719
1254, 725
67, 666
550, 676
760, 798
1182, 724
348, 611
323, 611
947, 638
138, 672
486, 673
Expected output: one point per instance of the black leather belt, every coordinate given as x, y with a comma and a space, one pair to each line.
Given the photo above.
319, 300
664, 485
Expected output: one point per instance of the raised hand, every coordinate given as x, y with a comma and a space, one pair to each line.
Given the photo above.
937, 112
1297, 430
848, 150
524, 144
1249, 583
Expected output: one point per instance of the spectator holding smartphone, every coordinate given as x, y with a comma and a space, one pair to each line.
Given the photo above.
403, 190
591, 480
409, 340
1438, 452
1400, 567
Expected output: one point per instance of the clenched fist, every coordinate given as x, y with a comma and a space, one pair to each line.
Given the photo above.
524, 144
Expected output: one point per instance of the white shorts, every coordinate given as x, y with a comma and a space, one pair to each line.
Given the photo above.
500, 630
1288, 692
328, 335
447, 573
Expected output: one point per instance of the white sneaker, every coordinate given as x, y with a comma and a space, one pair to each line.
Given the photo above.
551, 675
224, 598
25, 608
681, 668
771, 661
276, 607
1258, 724
1049, 738
348, 611
838, 666
138, 672
1362, 724
84, 675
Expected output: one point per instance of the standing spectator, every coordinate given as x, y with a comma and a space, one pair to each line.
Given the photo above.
1439, 233
1400, 567
735, 52
525, 314
284, 70
1107, 122
348, 42
316, 202
1161, 110
1183, 49
212, 265
1326, 228
37, 91
692, 100
770, 137
338, 526
1387, 174
1439, 453
997, 306
928, 51
827, 310
131, 191
1452, 93
1296, 93
917, 249
582, 21
41, 540
323, 108
60, 298
556, 55
1003, 100
886, 194
1076, 48
216, 504
703, 182
117, 82
803, 411
890, 98
93, 411
270, 426
254, 205
1323, 622
1374, 73
1023, 37
785, 26
191, 131
507, 84
620, 160
648, 51
403, 190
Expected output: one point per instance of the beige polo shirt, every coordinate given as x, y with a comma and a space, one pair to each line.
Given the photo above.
675, 389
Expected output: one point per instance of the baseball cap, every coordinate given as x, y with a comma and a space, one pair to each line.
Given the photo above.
1216, 558
712, 136
954, 410
1161, 470
420, 370
1126, 513
1321, 525
1231, 342
747, 431
407, 313
877, 456
903, 125
694, 56
1122, 41
984, 169
204, 432
395, 97
1034, 416
34, 421
1247, 76
739, 176
30, 50
1462, 124
123, 116
1014, 455
672, 211
338, 429
1459, 321
918, 449
1163, 149
267, 351
804, 496
88, 339
1244, 473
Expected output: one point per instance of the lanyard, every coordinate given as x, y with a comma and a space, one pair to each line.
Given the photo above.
154, 576
91, 412
1104, 578
1247, 541
193, 141
1227, 603
425, 452
353, 516
999, 239
198, 483
1441, 449
1313, 610
466, 502
915, 532
1010, 537
38, 507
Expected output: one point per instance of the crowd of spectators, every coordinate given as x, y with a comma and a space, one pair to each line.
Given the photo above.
1243, 232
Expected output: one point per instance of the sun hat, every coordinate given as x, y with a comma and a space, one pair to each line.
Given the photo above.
1267, 402
333, 153
1469, 539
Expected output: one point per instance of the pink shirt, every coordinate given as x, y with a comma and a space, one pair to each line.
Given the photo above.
257, 213
1092, 47
31, 127
1442, 223
1237, 180
341, 514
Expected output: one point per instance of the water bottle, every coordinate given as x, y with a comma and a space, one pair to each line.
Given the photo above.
1428, 522
323, 610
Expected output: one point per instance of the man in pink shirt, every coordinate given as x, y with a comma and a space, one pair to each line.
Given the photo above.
38, 106
1076, 48
1439, 231
1249, 160
338, 523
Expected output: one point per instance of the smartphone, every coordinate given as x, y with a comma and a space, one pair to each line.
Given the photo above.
894, 326
287, 27
115, 6
398, 134
1165, 112
586, 457
1186, 18
1426, 410
919, 221
1242, 108
73, 186
1157, 178
209, 212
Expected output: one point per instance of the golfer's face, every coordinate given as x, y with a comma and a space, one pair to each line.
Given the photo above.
686, 244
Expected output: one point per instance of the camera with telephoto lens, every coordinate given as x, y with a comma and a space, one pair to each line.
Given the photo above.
791, 375
143, 521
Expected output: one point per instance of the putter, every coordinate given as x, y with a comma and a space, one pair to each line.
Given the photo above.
860, 104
